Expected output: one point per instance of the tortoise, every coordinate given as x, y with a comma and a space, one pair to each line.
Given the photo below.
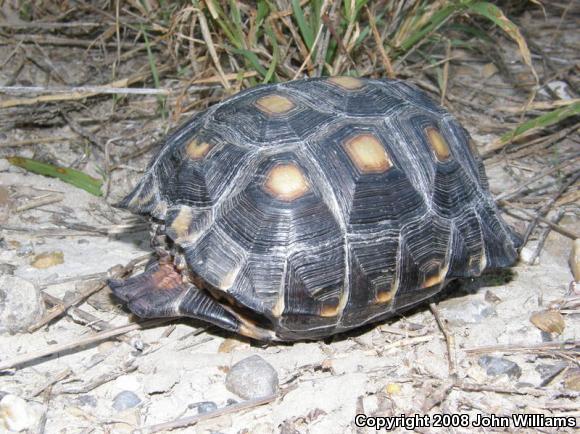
299, 210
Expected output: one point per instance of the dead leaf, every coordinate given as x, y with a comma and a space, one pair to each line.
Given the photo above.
4, 196
229, 345
572, 380
488, 70
549, 321
393, 389
47, 259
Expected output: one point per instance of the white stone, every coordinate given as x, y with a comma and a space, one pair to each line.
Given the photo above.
20, 304
128, 382
252, 378
15, 414
526, 256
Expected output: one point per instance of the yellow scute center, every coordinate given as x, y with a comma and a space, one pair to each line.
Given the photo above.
182, 222
275, 104
438, 144
349, 83
368, 154
196, 150
286, 182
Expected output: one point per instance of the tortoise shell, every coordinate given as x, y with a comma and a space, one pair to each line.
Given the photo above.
303, 209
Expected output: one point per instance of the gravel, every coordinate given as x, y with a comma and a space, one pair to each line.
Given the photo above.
252, 378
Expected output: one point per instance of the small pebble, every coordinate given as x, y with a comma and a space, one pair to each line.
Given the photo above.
561, 89
459, 312
526, 255
23, 250
496, 366
252, 378
204, 406
15, 414
7, 269
490, 297
549, 371
20, 304
86, 400
125, 400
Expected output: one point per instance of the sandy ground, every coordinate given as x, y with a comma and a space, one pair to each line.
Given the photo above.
400, 367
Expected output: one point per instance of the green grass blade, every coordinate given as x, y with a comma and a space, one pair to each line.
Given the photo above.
253, 59
262, 13
275, 54
542, 121
495, 14
358, 5
305, 29
237, 20
435, 22
70, 176
223, 22
154, 71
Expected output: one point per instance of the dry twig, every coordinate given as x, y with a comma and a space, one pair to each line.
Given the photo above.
449, 341
192, 420
59, 310
98, 337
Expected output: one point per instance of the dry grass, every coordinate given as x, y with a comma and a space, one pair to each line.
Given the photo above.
88, 88
183, 51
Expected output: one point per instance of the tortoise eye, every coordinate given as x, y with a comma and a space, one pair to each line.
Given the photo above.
368, 154
275, 104
438, 144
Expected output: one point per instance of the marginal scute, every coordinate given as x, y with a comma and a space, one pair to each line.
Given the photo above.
286, 182
182, 223
473, 147
196, 150
368, 154
275, 104
438, 144
329, 311
478, 262
385, 296
229, 279
345, 82
436, 278
278, 308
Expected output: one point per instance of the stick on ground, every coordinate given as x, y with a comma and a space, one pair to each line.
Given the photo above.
107, 334
192, 420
